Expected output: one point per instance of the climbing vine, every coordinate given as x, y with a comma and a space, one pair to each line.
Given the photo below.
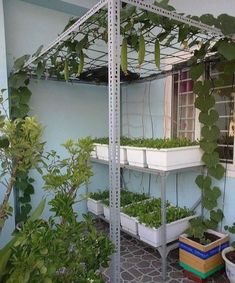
136, 26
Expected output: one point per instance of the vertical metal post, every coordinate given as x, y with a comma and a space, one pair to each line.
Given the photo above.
163, 216
114, 133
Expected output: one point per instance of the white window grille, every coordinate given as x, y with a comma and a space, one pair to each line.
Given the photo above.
183, 124
225, 107
184, 112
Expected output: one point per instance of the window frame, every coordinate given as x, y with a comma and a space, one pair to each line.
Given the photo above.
168, 105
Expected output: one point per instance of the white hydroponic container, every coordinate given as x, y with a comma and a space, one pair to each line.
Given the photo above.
95, 206
106, 212
173, 158
136, 156
153, 236
102, 152
129, 224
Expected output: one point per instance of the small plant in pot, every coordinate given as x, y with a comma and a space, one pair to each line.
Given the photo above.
228, 255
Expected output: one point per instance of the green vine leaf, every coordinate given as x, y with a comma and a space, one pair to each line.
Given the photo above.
127, 12
19, 63
183, 33
204, 103
210, 118
217, 171
203, 182
83, 43
17, 80
154, 18
210, 159
216, 215
40, 69
197, 71
227, 49
216, 192
208, 147
202, 88
210, 133
24, 94
211, 224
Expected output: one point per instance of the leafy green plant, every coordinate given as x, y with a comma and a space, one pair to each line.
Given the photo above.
100, 195
68, 174
151, 143
20, 150
144, 207
128, 197
153, 219
64, 250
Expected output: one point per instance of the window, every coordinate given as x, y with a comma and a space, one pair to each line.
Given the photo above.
183, 122
225, 107
184, 118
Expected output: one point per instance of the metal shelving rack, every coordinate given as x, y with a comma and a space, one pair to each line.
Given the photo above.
113, 59
165, 248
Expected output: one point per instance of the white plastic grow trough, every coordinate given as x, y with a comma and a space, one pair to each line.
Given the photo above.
95, 206
136, 156
173, 158
129, 224
102, 152
153, 236
106, 212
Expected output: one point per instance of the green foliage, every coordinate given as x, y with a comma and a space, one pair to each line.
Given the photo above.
227, 49
50, 252
64, 250
7, 251
196, 71
144, 207
100, 195
151, 143
21, 149
197, 229
128, 197
172, 214
68, 174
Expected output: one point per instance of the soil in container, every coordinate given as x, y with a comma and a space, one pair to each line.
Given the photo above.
208, 237
231, 256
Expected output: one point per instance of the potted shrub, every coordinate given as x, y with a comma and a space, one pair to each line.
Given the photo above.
149, 226
95, 202
228, 255
200, 251
129, 214
127, 198
60, 249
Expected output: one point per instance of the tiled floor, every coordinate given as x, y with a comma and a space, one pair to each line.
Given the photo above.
140, 263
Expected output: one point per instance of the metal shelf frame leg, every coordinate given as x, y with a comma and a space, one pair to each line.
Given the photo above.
114, 133
164, 252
